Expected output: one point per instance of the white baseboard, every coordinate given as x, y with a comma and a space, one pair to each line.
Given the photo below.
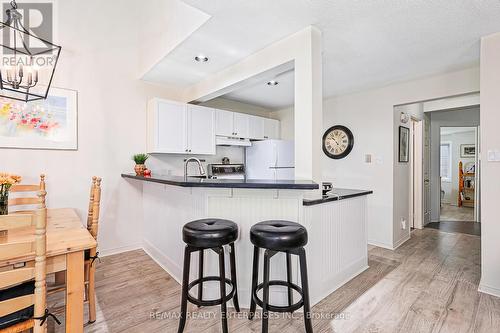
172, 268
379, 244
401, 242
489, 290
117, 250
343, 277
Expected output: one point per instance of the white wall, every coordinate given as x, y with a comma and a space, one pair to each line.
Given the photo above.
287, 122
101, 63
490, 171
451, 118
456, 139
371, 117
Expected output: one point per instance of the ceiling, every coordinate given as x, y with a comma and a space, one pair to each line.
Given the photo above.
365, 43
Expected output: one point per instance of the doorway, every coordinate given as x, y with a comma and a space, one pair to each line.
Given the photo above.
458, 165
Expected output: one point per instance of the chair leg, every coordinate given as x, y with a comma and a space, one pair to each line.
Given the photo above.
289, 277
255, 281
232, 258
265, 298
305, 289
200, 275
222, 275
91, 293
184, 292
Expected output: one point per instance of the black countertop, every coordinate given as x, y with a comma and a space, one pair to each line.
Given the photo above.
228, 183
337, 194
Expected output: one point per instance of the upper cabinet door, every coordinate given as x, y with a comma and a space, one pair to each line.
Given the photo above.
224, 123
167, 130
201, 130
271, 129
241, 125
256, 127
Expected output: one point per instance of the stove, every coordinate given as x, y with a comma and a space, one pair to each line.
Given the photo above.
226, 171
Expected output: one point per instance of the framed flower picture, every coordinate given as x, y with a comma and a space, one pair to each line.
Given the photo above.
44, 124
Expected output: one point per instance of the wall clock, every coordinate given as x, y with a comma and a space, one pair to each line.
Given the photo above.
338, 142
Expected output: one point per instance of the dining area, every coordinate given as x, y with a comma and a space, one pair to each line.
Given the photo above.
46, 251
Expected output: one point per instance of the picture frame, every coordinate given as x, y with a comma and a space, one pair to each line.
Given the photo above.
467, 150
48, 124
404, 144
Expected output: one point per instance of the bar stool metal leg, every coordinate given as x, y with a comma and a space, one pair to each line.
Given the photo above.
265, 313
305, 290
232, 259
255, 281
185, 282
222, 274
289, 277
200, 275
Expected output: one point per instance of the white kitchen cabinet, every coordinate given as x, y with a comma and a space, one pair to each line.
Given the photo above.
167, 131
224, 123
201, 130
241, 125
256, 127
271, 129
177, 128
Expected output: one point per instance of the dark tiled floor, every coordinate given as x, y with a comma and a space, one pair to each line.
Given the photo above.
470, 228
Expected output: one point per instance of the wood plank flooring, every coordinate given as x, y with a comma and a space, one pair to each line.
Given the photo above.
429, 284
454, 213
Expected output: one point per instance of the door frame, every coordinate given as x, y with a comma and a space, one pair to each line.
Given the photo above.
417, 173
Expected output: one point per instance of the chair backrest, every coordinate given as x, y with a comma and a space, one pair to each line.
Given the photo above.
19, 196
94, 207
12, 251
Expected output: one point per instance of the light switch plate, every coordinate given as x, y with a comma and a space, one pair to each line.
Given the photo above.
493, 155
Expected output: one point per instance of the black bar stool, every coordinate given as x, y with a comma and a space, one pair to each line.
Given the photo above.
290, 238
202, 235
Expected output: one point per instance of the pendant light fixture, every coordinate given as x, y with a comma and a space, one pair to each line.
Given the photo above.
28, 62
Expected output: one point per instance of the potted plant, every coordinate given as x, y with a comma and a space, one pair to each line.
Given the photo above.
140, 160
6, 182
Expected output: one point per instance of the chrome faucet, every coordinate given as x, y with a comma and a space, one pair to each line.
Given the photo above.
200, 166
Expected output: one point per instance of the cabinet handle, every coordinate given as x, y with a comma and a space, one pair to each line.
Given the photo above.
186, 150
189, 150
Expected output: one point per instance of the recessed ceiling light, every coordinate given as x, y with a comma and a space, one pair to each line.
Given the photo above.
272, 83
201, 58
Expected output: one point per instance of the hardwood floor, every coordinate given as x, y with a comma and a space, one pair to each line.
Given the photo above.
454, 213
429, 284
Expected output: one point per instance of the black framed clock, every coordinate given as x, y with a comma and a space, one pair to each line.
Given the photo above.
338, 142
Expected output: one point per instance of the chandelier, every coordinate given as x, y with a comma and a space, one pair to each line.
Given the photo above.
28, 62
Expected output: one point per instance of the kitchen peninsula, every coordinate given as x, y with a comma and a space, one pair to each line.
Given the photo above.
337, 248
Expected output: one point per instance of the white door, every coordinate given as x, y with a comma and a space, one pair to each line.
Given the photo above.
201, 130
171, 129
417, 179
224, 123
241, 125
271, 129
427, 168
256, 127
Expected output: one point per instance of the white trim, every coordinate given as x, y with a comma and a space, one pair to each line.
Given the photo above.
401, 242
489, 290
118, 250
379, 244
163, 261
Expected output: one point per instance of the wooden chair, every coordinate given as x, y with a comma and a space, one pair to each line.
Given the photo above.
19, 202
90, 255
25, 307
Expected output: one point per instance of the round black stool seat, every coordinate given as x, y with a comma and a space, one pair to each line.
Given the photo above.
208, 233
278, 235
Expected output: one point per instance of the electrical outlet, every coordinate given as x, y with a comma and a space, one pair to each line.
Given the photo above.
403, 223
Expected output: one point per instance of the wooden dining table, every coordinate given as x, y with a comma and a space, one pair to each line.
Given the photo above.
67, 240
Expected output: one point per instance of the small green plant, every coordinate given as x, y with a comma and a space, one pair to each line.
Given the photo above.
140, 158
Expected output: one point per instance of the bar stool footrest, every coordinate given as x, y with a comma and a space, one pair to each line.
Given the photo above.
276, 308
217, 301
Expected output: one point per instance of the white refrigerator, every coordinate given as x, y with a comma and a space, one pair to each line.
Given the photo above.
270, 159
